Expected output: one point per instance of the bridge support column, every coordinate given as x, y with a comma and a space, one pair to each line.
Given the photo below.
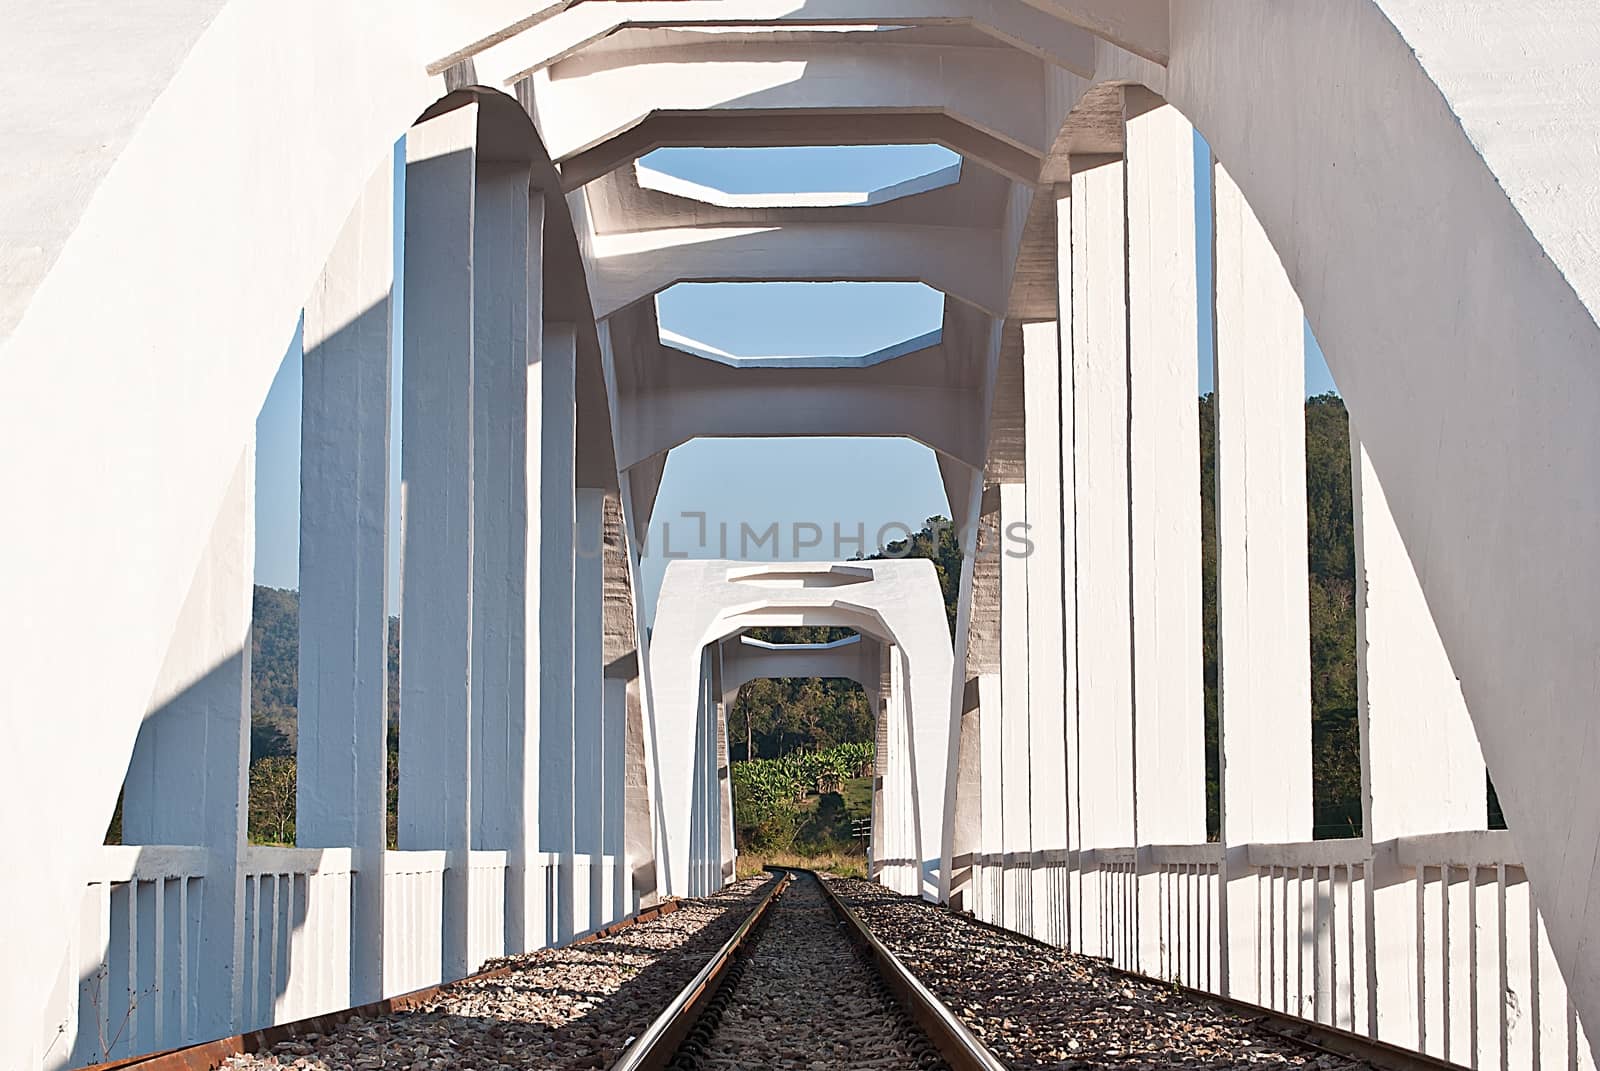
187, 781
1100, 486
500, 421
557, 520
621, 673
1163, 477
1048, 701
436, 620
588, 698
1263, 627
1071, 886
1422, 771
343, 709
983, 674
1016, 826
527, 926
726, 854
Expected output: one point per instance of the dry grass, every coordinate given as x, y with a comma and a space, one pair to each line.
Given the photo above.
839, 864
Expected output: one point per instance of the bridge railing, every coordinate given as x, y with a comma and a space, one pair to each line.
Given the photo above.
125, 986
134, 978
1188, 885
1311, 908
1430, 942
296, 932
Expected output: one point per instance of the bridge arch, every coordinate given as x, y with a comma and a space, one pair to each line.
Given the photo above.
1496, 380
900, 607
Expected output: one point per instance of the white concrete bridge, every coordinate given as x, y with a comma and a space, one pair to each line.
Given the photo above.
183, 179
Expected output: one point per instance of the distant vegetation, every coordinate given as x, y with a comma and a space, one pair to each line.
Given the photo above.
806, 805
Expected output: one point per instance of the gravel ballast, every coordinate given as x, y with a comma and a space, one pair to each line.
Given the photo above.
1039, 1007
573, 1007
804, 999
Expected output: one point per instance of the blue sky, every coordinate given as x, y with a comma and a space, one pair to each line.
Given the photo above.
850, 482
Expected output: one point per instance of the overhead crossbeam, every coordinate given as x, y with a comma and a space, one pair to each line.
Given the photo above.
590, 99
727, 130
564, 30
666, 397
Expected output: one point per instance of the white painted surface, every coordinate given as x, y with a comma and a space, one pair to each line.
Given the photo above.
1016, 745
1100, 478
1163, 478
557, 566
436, 511
1263, 619
1422, 771
342, 710
187, 782
1048, 706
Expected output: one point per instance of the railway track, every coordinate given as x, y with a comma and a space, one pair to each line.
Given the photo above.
804, 984
805, 973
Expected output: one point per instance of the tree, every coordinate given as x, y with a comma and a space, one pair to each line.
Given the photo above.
272, 791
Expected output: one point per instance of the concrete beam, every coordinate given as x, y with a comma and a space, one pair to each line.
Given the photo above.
592, 97
756, 130
967, 264
666, 397
515, 54
1140, 26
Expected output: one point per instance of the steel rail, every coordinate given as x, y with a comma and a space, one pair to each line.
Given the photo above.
960, 1048
652, 1050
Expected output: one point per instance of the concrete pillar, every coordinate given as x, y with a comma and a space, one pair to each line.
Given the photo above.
1163, 476
187, 781
639, 832
705, 807
1049, 537
557, 518
1071, 891
1016, 826
1263, 634
436, 568
621, 673
1421, 768
588, 691
983, 674
881, 762
726, 857
342, 753
1100, 457
500, 517
527, 922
